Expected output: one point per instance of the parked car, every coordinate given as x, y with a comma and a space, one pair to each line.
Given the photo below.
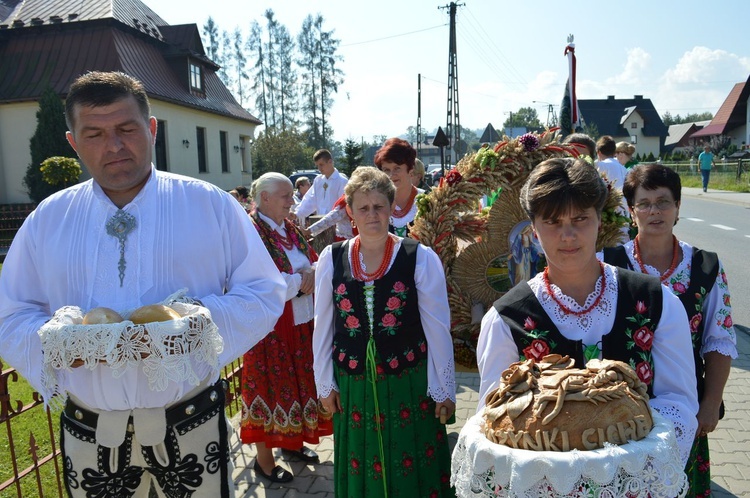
309, 173
435, 173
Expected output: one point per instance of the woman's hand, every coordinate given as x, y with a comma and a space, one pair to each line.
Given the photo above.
307, 286
448, 406
332, 403
708, 417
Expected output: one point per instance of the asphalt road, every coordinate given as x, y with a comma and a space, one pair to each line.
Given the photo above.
725, 229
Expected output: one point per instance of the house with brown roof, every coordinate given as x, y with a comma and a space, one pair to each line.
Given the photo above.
679, 136
627, 120
203, 131
731, 119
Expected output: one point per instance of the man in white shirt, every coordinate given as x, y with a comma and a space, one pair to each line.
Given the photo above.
327, 187
142, 406
615, 172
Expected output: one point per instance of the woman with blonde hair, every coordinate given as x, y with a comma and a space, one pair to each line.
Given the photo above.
383, 353
624, 153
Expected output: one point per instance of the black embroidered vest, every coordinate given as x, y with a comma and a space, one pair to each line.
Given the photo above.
704, 268
397, 330
639, 307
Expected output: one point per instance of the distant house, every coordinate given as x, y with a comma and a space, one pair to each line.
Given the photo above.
627, 120
731, 120
203, 132
679, 136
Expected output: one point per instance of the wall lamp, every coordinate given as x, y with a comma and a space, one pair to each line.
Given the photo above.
186, 143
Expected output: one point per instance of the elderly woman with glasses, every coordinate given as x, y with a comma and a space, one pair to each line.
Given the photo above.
697, 277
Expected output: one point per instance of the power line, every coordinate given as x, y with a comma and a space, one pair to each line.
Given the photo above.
394, 36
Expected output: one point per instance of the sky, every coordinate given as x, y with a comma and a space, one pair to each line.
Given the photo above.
683, 55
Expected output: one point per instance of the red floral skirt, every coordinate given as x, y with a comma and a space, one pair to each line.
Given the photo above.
279, 402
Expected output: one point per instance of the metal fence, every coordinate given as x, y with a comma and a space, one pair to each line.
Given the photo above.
31, 462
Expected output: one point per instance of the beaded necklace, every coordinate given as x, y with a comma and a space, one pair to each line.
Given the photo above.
363, 276
400, 213
287, 242
563, 307
642, 267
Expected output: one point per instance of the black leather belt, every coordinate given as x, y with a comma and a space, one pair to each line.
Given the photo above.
183, 411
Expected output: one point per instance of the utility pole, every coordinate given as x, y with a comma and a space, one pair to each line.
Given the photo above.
453, 126
551, 123
419, 116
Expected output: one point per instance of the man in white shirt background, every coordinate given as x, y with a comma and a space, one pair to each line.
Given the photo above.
134, 236
327, 187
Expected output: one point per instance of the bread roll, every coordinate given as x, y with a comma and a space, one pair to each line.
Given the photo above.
153, 313
101, 315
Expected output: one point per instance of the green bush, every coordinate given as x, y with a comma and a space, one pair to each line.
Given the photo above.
61, 171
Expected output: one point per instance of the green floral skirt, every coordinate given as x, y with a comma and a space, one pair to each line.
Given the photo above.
698, 469
414, 460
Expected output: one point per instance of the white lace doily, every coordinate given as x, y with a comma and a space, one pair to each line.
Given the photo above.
649, 467
165, 351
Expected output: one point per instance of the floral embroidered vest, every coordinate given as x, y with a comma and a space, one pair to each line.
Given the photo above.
399, 337
704, 268
639, 307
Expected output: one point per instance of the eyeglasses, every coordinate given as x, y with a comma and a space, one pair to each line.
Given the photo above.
660, 205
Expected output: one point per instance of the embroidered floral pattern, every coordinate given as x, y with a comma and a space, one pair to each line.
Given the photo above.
394, 307
539, 346
346, 310
641, 339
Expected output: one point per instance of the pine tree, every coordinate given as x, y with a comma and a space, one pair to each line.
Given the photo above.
211, 39
307, 50
240, 61
330, 75
352, 156
48, 140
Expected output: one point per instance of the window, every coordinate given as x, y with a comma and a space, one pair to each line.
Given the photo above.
633, 125
160, 147
224, 157
200, 138
196, 77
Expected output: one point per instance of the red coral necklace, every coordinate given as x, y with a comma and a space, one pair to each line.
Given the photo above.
363, 276
400, 213
642, 267
566, 310
287, 242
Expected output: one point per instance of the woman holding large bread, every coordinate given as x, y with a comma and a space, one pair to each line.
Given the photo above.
587, 309
280, 404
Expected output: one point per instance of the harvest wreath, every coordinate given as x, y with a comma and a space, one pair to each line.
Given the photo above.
469, 242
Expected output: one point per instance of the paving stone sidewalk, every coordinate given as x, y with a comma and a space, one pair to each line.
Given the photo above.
730, 457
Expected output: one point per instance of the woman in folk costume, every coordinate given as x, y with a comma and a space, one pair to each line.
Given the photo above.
697, 277
383, 353
279, 400
396, 158
587, 309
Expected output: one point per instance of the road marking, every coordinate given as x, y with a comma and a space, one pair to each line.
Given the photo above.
694, 219
723, 227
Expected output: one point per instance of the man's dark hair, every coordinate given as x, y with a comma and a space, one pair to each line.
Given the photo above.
582, 139
606, 145
98, 88
322, 154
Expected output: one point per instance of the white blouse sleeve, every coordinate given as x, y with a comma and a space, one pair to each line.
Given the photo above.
496, 350
434, 312
323, 333
675, 394
331, 219
718, 329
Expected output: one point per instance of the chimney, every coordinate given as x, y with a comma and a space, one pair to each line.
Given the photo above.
35, 21
639, 97
610, 97
18, 23
55, 19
